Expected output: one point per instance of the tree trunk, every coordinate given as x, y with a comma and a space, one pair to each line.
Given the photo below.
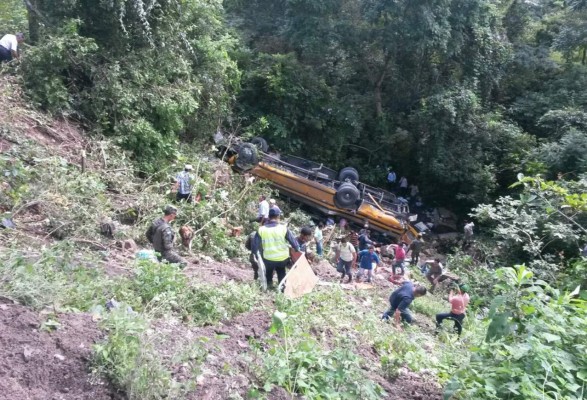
34, 18
379, 88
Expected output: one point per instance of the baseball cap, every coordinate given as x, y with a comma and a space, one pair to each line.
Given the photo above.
169, 209
189, 167
272, 201
274, 212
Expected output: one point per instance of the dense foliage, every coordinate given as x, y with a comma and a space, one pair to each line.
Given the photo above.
143, 72
457, 95
453, 94
535, 346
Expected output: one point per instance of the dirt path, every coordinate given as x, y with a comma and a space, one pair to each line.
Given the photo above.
38, 365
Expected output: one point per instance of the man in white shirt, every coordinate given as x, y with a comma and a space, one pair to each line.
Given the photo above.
9, 46
273, 204
183, 184
263, 213
346, 257
468, 231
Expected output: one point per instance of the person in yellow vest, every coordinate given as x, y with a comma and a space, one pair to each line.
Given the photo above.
271, 242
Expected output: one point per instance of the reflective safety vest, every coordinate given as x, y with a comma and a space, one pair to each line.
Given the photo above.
275, 246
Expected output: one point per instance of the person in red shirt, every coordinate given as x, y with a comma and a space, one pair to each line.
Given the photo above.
458, 302
400, 257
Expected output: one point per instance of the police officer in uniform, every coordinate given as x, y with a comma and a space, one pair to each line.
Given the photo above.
271, 242
161, 235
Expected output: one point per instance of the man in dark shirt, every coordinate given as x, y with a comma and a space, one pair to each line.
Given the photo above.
161, 235
401, 299
252, 260
304, 238
365, 241
415, 248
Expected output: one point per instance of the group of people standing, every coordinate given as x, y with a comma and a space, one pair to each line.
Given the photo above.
400, 300
401, 185
347, 255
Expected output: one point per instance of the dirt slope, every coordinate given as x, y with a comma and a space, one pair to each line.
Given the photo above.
39, 365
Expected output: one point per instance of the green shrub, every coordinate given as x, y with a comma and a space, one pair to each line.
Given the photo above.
56, 276
128, 359
398, 350
209, 304
153, 279
535, 345
62, 63
297, 363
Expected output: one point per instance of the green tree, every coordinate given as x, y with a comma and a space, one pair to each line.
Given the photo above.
143, 72
13, 17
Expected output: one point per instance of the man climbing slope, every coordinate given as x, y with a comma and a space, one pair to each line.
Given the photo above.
161, 235
9, 46
400, 300
183, 184
271, 242
459, 302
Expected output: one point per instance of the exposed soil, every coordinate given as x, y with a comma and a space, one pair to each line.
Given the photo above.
216, 273
62, 137
38, 365
410, 386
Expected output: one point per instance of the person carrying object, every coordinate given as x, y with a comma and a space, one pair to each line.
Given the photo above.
271, 242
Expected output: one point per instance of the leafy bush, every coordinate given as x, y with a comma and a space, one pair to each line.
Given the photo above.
209, 304
56, 276
299, 365
15, 177
153, 279
535, 345
63, 63
144, 74
397, 350
128, 359
543, 226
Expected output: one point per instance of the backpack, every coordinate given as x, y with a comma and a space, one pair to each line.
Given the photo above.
249, 241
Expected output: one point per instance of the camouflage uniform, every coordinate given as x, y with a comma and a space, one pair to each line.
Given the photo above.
161, 235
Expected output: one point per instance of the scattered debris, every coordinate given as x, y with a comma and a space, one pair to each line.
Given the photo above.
7, 224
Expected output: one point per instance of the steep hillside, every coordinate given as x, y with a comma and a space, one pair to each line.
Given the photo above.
205, 332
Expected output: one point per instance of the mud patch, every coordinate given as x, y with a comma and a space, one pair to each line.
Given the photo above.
38, 365
216, 273
411, 386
